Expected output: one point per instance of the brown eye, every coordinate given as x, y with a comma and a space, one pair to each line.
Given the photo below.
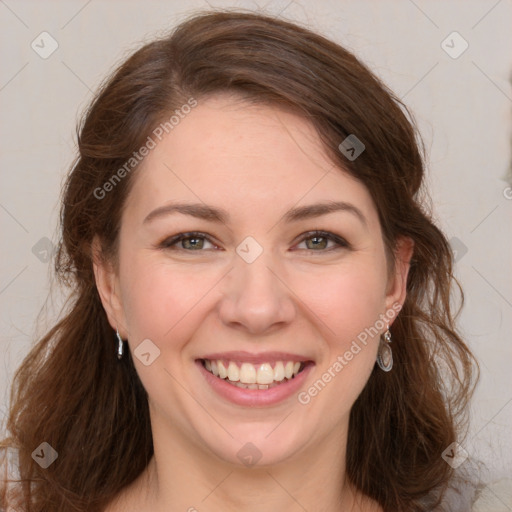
319, 241
189, 242
192, 242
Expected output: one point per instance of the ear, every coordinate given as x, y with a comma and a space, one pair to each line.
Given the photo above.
397, 284
107, 283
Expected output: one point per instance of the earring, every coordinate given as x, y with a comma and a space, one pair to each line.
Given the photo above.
120, 345
385, 354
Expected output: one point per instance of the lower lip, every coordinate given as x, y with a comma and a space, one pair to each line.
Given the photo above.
255, 397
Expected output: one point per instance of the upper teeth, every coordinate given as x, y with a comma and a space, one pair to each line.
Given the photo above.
248, 373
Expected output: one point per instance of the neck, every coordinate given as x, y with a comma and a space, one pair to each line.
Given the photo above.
184, 476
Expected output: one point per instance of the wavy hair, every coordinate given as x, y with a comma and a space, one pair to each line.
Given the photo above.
72, 392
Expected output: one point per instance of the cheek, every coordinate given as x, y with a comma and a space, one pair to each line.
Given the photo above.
349, 304
347, 300
162, 304
162, 299
157, 298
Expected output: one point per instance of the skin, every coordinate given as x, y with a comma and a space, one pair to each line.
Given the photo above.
256, 162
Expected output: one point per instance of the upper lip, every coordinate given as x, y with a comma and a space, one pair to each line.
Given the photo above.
262, 357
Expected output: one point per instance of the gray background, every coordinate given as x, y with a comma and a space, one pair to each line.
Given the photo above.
463, 107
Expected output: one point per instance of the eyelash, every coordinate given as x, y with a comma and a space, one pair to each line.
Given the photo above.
168, 243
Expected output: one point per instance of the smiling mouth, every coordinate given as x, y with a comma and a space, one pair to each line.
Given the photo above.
254, 376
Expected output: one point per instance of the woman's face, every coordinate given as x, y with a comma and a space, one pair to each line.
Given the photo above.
256, 288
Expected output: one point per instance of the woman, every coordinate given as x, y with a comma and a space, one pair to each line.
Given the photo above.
260, 317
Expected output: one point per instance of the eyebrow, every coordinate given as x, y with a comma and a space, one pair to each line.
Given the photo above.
213, 214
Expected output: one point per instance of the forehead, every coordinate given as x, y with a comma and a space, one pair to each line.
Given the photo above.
241, 156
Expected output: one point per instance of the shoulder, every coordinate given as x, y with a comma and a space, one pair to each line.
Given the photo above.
461, 492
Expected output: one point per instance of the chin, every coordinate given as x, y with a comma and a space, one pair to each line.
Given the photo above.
258, 444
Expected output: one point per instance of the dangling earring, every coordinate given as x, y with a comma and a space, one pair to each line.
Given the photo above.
120, 345
385, 354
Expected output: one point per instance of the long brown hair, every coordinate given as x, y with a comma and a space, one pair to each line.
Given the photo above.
73, 393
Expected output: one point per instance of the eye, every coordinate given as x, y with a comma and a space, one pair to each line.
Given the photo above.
319, 241
316, 241
193, 241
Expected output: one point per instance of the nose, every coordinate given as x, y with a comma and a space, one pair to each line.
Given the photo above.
256, 298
